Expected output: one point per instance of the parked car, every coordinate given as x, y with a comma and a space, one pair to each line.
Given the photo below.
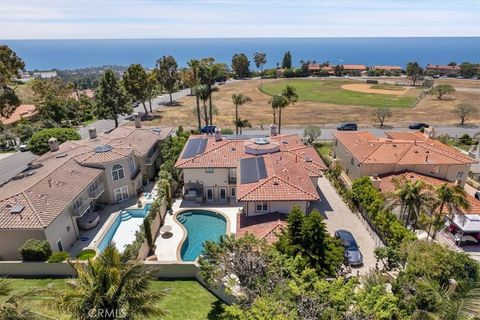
208, 129
23, 148
347, 127
352, 250
418, 126
477, 195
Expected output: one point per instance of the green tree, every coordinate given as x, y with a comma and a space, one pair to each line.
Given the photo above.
449, 200
278, 102
209, 74
109, 283
38, 144
291, 239
290, 95
260, 60
12, 305
135, 82
381, 114
287, 60
203, 93
320, 250
54, 101
467, 70
111, 99
167, 74
464, 111
442, 89
414, 71
10, 65
152, 89
24, 130
240, 65
239, 100
148, 234
311, 133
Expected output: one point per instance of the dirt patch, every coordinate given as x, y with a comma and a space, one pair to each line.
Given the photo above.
367, 88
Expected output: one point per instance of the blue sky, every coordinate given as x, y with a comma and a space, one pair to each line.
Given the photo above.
93, 19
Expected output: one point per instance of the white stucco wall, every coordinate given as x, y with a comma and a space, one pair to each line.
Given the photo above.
216, 179
11, 240
276, 206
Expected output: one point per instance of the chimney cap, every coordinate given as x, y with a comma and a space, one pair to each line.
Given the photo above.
52, 139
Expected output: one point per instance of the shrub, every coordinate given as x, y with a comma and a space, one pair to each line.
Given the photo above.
59, 256
227, 131
35, 250
39, 142
86, 254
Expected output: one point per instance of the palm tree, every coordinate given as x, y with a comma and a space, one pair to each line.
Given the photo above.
260, 60
195, 65
452, 305
109, 284
278, 102
451, 198
238, 100
12, 306
290, 94
413, 198
203, 93
242, 123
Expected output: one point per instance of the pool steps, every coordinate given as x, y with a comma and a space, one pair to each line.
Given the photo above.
125, 216
182, 218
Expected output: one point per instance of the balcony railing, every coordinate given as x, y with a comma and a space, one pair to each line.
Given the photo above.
151, 159
232, 180
80, 210
96, 192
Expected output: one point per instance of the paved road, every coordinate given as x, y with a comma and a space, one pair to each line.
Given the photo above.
339, 216
327, 132
14, 164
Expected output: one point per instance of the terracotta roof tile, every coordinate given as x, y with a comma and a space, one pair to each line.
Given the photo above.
265, 226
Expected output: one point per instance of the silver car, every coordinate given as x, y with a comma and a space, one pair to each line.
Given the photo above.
352, 250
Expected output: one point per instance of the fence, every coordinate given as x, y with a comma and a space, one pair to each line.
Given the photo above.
377, 236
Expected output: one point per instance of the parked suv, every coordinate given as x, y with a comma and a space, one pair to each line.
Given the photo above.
352, 250
208, 129
347, 127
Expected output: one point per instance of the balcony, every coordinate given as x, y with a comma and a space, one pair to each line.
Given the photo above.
151, 159
232, 180
80, 210
96, 192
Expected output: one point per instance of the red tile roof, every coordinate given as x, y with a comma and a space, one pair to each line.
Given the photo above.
358, 67
400, 148
23, 111
265, 226
442, 67
387, 68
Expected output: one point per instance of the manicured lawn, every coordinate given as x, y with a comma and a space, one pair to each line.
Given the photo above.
324, 152
185, 299
330, 91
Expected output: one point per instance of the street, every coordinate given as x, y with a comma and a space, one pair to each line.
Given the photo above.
14, 164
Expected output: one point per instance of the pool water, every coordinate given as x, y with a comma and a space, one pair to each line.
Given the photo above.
122, 231
201, 225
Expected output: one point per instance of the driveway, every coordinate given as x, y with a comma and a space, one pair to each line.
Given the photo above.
339, 216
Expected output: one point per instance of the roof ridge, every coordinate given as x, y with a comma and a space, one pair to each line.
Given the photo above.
377, 145
204, 153
274, 176
33, 209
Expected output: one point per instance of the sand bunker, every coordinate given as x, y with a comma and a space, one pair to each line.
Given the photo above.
364, 87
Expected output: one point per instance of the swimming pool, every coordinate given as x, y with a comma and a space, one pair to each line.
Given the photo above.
201, 225
122, 230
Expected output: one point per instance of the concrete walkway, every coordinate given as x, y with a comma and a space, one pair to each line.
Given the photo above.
339, 216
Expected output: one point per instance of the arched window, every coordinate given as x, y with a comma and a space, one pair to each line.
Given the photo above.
117, 172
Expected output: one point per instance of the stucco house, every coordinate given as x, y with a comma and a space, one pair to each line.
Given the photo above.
264, 175
362, 154
45, 201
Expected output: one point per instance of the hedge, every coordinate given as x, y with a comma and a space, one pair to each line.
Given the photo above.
35, 250
38, 144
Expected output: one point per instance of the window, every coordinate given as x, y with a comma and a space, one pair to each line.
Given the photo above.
121, 193
209, 170
93, 186
133, 166
352, 162
222, 193
117, 172
59, 245
209, 192
262, 206
233, 192
460, 174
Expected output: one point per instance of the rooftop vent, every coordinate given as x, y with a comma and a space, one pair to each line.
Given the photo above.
103, 148
308, 159
63, 155
17, 209
157, 130
261, 141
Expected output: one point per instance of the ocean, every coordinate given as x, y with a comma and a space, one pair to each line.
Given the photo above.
71, 54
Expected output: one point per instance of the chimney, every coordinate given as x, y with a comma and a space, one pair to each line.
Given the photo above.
92, 132
376, 181
137, 119
218, 134
53, 144
452, 285
273, 130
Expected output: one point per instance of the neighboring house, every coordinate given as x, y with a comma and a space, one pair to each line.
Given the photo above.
23, 111
442, 69
315, 68
362, 154
45, 74
264, 174
62, 185
387, 68
354, 68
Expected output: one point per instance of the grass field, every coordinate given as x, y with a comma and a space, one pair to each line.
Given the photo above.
330, 91
184, 300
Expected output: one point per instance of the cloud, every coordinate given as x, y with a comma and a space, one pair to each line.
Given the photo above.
60, 19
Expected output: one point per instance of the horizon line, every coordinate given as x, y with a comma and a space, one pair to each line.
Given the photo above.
239, 38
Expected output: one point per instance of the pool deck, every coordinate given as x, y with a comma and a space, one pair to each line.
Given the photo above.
167, 250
